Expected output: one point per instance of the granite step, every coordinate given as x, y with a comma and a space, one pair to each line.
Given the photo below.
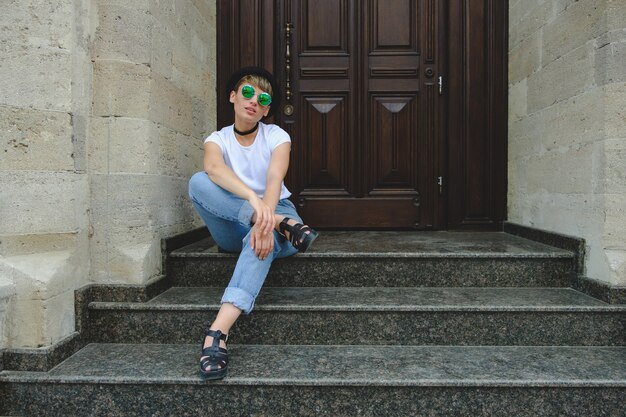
372, 316
394, 259
162, 380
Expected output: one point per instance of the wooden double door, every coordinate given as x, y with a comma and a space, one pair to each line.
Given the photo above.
367, 102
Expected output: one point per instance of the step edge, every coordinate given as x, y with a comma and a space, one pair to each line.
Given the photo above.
15, 377
113, 306
392, 255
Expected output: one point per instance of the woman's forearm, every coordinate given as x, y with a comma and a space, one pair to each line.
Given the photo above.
223, 176
272, 191
276, 174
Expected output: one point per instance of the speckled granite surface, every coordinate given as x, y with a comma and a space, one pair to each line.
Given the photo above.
382, 272
557, 240
345, 369
600, 290
513, 366
387, 298
399, 259
429, 316
407, 244
162, 380
303, 401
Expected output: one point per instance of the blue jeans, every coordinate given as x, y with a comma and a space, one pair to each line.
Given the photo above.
228, 218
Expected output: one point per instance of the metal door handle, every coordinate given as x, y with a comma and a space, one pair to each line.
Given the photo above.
288, 28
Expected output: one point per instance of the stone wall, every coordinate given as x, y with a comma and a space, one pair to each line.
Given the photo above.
567, 130
102, 109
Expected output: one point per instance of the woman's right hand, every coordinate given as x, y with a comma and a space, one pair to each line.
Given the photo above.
263, 215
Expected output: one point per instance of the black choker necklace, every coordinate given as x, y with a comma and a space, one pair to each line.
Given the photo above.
247, 132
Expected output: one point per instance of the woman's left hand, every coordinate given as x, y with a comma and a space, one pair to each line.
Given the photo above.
262, 244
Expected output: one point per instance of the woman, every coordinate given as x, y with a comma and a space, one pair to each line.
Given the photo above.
243, 201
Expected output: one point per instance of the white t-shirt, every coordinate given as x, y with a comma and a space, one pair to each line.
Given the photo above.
250, 163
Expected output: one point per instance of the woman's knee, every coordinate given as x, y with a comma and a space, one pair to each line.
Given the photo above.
199, 184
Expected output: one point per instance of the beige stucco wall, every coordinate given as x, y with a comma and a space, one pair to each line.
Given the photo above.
567, 129
102, 108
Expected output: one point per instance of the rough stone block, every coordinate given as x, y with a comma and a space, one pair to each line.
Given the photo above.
124, 145
207, 9
611, 63
170, 105
128, 224
566, 77
162, 47
526, 18
568, 172
164, 12
122, 89
46, 24
570, 214
203, 119
41, 276
518, 101
575, 121
117, 260
615, 223
196, 82
525, 136
518, 181
617, 266
525, 58
615, 110
199, 49
38, 323
519, 10
124, 33
181, 155
189, 22
42, 310
140, 205
615, 15
27, 244
7, 291
59, 317
35, 140
34, 202
577, 24
36, 77
613, 176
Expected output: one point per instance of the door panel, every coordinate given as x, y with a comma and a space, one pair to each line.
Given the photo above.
324, 123
477, 142
357, 103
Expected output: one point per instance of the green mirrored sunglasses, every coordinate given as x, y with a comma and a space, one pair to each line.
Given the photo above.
264, 99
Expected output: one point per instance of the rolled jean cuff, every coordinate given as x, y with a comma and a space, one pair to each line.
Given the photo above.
245, 214
239, 298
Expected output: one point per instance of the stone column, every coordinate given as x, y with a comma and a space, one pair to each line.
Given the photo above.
154, 84
46, 98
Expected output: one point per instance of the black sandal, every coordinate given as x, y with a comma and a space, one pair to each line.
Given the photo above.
214, 361
301, 236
